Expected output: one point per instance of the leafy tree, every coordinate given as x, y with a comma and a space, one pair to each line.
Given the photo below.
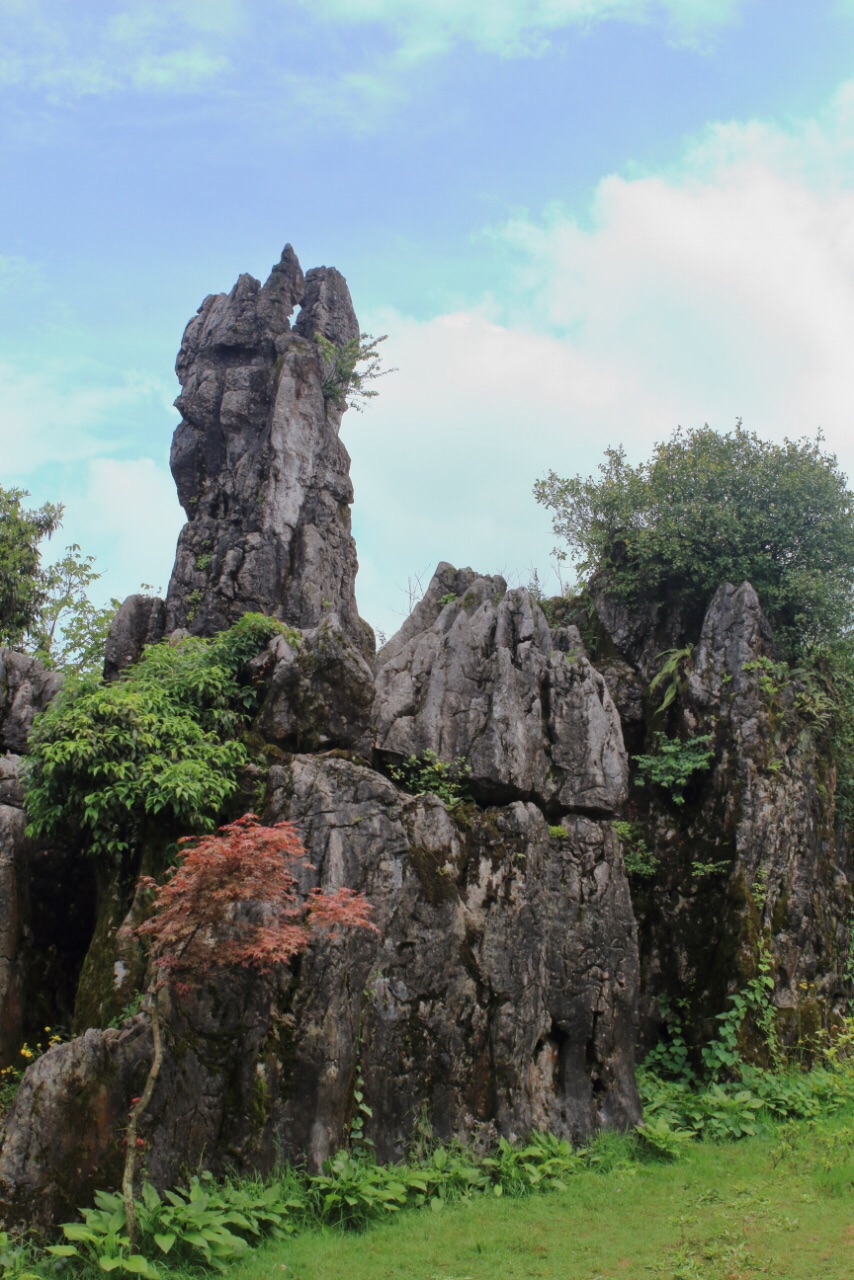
22, 587
709, 508
71, 632
230, 902
157, 747
343, 381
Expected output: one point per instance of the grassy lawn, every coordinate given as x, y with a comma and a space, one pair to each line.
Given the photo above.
779, 1206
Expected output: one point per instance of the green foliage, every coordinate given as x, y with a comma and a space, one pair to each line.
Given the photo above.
671, 678
674, 763
543, 1163
157, 746
702, 870
70, 632
100, 1240
448, 598
428, 775
18, 1260
640, 862
211, 1224
710, 508
342, 380
22, 586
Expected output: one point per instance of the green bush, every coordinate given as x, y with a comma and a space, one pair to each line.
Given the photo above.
428, 775
674, 763
710, 508
157, 747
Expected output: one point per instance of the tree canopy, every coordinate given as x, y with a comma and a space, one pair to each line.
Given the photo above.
712, 507
22, 586
46, 609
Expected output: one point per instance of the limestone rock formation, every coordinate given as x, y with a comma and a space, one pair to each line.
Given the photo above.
477, 674
320, 692
498, 996
26, 688
139, 621
502, 990
261, 472
754, 849
61, 1141
45, 903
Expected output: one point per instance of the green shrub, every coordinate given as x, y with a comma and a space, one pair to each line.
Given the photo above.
343, 382
428, 775
674, 763
157, 747
712, 507
640, 861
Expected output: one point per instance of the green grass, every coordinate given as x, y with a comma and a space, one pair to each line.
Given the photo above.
774, 1207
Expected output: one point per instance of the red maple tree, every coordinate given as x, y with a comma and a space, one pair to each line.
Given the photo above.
232, 900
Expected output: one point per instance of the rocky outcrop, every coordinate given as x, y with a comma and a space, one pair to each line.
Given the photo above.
45, 902
320, 692
498, 996
754, 849
139, 621
26, 688
501, 991
477, 674
62, 1139
261, 472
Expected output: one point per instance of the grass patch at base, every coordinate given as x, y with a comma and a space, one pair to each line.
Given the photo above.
779, 1207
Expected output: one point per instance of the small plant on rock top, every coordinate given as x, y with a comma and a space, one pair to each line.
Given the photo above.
430, 775
342, 379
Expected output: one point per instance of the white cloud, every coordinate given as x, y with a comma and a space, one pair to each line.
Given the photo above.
128, 517
182, 70
512, 28
721, 290
174, 45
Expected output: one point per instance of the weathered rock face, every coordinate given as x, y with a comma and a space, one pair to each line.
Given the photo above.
500, 990
62, 1138
45, 903
476, 673
26, 688
754, 849
320, 693
141, 620
498, 996
261, 472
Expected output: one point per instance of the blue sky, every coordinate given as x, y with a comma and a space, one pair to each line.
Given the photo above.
581, 223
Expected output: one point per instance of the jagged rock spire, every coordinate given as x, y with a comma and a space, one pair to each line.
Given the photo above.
261, 472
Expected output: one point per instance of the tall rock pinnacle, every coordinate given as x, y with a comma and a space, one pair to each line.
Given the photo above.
261, 472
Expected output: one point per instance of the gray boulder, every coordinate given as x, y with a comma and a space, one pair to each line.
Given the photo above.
320, 692
139, 621
26, 687
477, 674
